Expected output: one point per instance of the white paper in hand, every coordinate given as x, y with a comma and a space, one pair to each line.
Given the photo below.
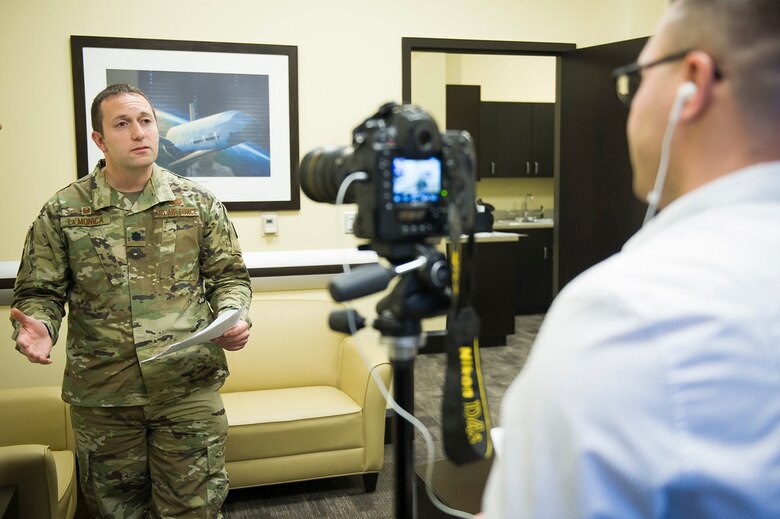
218, 326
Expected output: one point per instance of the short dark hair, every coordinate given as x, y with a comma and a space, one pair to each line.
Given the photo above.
110, 91
743, 38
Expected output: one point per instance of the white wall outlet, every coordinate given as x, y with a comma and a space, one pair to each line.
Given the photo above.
270, 223
349, 222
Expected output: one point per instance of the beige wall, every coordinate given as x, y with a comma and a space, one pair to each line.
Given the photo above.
349, 64
529, 79
429, 78
501, 78
637, 18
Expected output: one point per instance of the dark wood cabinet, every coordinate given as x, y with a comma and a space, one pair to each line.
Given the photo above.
492, 289
493, 279
516, 139
463, 106
543, 138
505, 130
534, 276
512, 140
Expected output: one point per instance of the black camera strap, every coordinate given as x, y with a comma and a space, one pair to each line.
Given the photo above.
465, 416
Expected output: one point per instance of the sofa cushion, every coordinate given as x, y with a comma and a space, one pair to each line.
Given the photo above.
326, 419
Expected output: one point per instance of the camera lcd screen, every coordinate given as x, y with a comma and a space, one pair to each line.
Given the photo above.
416, 181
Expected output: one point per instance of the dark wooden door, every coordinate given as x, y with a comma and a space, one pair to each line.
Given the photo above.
596, 211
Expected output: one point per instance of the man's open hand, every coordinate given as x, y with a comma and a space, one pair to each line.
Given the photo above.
33, 339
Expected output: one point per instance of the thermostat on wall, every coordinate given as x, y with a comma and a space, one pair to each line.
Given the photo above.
270, 223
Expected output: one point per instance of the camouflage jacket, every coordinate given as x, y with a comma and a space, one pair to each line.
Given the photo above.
137, 277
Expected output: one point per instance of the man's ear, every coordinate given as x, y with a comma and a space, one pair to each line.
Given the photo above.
98, 140
701, 72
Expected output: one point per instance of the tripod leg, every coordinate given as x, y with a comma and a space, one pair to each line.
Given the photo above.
403, 440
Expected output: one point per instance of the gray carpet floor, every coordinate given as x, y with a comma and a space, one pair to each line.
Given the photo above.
345, 497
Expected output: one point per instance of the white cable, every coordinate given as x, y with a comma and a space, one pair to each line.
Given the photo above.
654, 197
357, 176
417, 424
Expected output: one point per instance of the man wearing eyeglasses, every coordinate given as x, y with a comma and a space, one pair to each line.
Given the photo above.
653, 387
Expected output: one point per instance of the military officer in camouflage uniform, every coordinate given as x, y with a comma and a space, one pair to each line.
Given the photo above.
143, 258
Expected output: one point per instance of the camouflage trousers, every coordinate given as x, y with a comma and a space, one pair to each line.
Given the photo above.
154, 461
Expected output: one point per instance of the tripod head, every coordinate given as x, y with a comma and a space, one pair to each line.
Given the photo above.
421, 292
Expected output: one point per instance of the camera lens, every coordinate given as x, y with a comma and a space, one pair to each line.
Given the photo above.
322, 172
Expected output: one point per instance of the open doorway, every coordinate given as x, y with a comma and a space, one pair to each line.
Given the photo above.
595, 210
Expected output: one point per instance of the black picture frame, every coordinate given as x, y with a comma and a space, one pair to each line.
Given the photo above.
250, 92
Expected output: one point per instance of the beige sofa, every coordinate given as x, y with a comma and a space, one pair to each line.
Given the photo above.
37, 453
300, 400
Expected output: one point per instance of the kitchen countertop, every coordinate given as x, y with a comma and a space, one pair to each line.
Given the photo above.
506, 225
495, 236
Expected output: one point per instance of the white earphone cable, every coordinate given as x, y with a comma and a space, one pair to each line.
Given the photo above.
654, 197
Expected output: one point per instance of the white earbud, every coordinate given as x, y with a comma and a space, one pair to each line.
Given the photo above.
686, 90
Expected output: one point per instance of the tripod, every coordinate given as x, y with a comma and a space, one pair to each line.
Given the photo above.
421, 292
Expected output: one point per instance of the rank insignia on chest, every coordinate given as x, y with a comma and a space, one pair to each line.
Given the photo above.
86, 210
136, 236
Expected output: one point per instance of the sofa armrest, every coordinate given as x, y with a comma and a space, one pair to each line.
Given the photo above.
31, 468
355, 379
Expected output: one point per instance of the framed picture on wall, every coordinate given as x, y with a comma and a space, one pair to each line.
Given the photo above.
227, 112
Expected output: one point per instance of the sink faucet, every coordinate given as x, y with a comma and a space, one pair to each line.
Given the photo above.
526, 199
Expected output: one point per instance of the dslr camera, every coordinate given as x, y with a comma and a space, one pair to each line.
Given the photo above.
417, 183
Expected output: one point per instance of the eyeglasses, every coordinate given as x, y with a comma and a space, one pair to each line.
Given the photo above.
629, 77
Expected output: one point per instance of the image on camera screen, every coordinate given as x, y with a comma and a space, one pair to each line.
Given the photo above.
416, 180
